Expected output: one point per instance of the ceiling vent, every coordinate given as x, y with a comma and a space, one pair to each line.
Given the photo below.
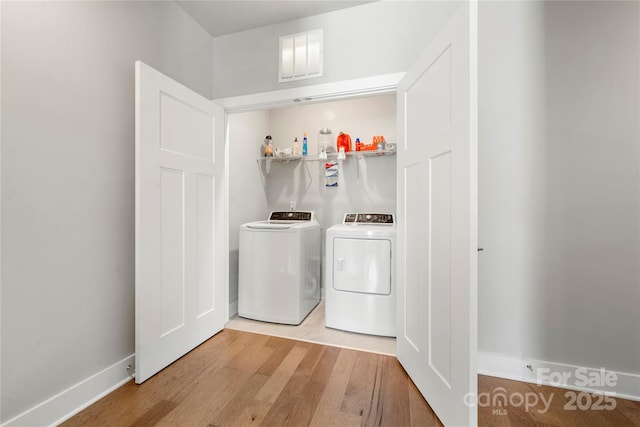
300, 56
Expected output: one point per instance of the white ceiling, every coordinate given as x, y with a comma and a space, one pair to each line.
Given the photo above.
220, 17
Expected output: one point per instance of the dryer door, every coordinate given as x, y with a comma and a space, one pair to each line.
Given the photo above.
362, 266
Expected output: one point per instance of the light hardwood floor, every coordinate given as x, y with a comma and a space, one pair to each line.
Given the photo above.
239, 378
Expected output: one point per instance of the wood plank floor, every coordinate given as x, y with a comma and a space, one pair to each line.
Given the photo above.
243, 379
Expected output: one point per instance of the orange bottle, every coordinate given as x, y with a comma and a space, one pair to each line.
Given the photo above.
344, 141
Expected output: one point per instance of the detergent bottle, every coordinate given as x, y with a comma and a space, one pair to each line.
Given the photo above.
344, 142
304, 144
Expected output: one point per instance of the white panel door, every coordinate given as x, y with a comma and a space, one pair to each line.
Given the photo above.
179, 221
437, 227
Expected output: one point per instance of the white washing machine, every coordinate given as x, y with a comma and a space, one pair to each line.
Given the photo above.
360, 294
279, 271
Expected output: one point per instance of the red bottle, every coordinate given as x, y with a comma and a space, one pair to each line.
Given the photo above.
344, 141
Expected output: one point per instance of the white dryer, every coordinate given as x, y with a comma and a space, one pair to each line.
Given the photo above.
279, 267
360, 294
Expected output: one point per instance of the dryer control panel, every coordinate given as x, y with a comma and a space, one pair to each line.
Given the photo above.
369, 218
291, 216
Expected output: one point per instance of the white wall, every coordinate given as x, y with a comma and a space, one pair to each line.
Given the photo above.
68, 181
247, 198
372, 39
367, 184
559, 182
511, 201
592, 286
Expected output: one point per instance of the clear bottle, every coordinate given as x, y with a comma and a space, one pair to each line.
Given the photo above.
325, 141
296, 147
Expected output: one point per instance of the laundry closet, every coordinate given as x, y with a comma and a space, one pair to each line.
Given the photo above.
258, 185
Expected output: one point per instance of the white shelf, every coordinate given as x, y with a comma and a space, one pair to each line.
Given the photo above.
330, 156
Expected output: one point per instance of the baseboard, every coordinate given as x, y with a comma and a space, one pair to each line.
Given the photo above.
66, 404
233, 308
591, 380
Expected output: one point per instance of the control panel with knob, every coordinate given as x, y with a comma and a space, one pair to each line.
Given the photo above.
291, 216
369, 218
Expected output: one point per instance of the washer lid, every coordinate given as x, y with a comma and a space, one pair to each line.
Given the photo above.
284, 220
268, 225
291, 226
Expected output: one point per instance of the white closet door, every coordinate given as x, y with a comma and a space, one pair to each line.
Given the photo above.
437, 227
179, 221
